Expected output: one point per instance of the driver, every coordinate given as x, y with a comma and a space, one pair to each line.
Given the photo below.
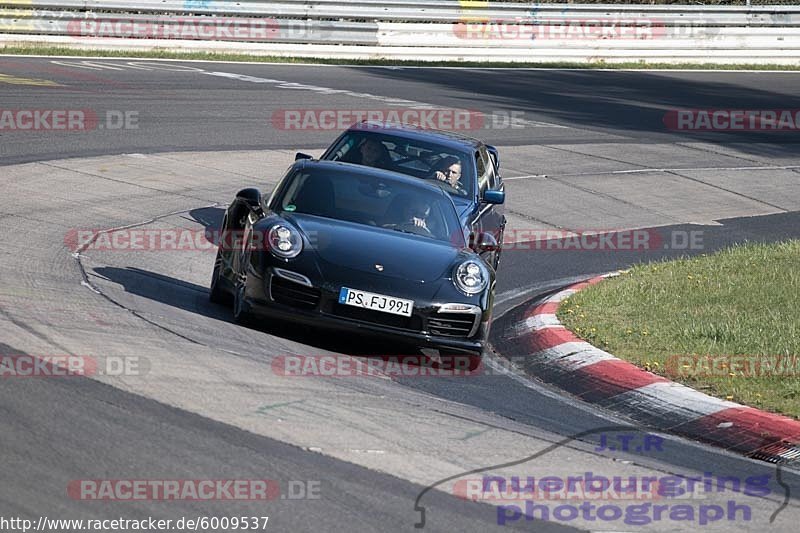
417, 214
449, 170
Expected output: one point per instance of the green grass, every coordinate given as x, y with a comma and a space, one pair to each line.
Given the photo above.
744, 300
214, 56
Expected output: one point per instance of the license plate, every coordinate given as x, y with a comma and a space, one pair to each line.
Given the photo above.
376, 302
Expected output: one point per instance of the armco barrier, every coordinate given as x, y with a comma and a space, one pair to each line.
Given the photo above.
435, 30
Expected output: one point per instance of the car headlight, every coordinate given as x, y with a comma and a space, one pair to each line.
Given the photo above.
471, 277
284, 242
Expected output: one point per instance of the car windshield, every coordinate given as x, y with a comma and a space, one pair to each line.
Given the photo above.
370, 200
445, 166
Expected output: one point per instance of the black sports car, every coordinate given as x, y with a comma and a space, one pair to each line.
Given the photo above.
360, 249
468, 169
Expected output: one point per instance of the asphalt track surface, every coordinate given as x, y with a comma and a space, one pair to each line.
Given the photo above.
593, 154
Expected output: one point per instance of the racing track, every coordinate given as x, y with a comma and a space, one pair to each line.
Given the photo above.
593, 154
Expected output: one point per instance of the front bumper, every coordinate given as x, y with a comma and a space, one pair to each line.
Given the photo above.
423, 329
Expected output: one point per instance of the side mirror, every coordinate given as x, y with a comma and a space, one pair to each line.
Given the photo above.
300, 155
494, 197
486, 243
251, 197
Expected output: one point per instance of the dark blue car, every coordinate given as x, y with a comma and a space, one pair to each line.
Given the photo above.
466, 168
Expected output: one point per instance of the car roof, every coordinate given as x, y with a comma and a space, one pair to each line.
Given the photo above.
409, 131
363, 170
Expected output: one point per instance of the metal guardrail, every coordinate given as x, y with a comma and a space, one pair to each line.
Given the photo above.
438, 29
443, 11
83, 28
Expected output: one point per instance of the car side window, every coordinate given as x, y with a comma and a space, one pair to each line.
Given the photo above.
482, 171
490, 169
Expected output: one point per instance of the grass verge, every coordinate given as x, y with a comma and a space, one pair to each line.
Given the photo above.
727, 324
216, 56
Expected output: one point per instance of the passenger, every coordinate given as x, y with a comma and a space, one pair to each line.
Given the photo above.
374, 153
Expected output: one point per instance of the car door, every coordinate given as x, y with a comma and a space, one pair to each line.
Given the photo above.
496, 183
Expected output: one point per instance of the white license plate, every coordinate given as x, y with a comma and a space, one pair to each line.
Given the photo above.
376, 302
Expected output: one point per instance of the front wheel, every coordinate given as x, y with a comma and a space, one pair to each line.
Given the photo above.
241, 309
497, 252
496, 262
216, 294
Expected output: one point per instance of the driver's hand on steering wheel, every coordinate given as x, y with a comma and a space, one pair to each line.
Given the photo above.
420, 222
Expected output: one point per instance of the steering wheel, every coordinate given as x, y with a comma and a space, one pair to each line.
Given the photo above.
413, 228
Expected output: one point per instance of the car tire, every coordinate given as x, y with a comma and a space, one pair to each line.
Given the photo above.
499, 250
216, 294
241, 309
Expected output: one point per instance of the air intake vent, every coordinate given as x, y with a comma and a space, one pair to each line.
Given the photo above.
452, 324
294, 294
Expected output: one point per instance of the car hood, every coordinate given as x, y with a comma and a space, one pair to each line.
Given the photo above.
359, 247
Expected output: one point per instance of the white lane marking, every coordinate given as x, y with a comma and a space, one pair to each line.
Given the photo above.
538, 288
519, 123
388, 100
282, 84
89, 65
514, 293
645, 170
135, 65
540, 124
525, 177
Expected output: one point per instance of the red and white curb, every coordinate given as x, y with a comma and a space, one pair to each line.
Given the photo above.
559, 357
